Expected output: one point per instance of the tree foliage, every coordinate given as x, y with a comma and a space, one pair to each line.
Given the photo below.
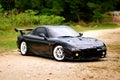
1, 9
76, 10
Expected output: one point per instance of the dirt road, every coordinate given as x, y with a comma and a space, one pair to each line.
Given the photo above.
14, 66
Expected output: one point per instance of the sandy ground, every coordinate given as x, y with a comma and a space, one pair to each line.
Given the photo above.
14, 66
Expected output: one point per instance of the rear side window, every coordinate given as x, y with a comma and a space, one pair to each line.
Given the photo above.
40, 30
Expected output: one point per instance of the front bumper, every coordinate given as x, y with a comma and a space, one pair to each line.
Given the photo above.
86, 54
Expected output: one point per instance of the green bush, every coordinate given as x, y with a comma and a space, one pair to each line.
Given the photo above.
101, 18
10, 19
4, 24
52, 19
98, 17
107, 18
1, 9
26, 19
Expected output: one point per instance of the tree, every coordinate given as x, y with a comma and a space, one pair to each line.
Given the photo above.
98, 8
1, 9
7, 4
76, 10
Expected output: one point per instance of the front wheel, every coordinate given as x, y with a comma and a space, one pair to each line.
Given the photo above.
23, 48
58, 53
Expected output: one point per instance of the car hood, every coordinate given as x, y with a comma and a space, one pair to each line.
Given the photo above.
82, 42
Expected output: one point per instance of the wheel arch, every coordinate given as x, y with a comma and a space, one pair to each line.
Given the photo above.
21, 42
54, 45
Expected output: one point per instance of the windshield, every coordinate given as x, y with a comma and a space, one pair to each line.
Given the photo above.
62, 32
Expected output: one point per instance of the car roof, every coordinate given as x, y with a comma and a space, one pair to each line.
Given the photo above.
52, 26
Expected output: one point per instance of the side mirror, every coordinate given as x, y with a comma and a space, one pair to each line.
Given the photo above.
43, 35
81, 34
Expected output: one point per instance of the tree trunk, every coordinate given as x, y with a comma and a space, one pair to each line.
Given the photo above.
78, 16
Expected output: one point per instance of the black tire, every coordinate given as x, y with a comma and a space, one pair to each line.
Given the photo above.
58, 53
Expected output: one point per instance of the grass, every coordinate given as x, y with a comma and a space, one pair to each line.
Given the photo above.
95, 27
8, 38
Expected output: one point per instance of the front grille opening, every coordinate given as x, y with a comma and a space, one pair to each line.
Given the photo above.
90, 53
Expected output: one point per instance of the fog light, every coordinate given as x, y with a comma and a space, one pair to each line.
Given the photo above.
76, 54
103, 53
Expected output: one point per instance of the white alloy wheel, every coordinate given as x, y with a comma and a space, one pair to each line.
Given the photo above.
23, 48
58, 53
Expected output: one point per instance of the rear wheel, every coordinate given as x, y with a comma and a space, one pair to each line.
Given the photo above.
58, 53
23, 48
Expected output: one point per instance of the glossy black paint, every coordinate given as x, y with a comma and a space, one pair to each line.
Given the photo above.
43, 43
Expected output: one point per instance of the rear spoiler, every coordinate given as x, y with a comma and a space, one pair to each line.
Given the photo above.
23, 29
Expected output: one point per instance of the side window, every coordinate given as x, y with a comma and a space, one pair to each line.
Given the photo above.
40, 30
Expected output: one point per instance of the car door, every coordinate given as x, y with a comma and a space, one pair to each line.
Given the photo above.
38, 44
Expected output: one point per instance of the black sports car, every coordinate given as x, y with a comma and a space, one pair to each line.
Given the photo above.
60, 42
